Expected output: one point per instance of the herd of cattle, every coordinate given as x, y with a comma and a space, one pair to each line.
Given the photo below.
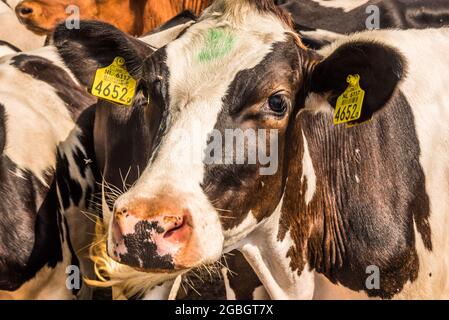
355, 211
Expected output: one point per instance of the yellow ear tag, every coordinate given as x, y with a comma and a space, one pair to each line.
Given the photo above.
350, 103
114, 83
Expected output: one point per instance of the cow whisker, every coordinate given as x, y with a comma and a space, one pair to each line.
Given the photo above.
89, 217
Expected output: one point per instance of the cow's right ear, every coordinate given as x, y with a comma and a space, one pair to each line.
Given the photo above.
95, 45
380, 67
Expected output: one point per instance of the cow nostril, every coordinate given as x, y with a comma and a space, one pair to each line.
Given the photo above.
177, 225
25, 11
121, 212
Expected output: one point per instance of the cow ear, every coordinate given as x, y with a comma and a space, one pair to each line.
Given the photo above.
379, 66
95, 45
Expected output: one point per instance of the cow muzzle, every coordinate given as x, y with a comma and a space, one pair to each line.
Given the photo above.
152, 235
31, 14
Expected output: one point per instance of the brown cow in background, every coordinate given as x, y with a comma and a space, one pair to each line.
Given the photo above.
135, 17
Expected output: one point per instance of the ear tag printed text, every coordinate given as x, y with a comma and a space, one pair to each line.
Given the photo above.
114, 83
350, 103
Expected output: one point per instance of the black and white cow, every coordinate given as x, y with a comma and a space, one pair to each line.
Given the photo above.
343, 200
44, 123
344, 16
112, 135
47, 112
321, 21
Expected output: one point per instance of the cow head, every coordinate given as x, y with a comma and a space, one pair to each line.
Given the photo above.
239, 69
229, 89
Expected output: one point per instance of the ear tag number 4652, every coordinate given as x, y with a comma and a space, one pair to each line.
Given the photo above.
350, 103
114, 83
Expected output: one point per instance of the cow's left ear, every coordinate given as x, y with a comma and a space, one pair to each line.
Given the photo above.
95, 45
379, 66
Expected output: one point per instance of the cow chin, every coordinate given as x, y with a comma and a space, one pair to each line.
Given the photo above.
154, 235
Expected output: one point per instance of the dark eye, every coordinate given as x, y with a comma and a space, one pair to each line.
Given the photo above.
278, 103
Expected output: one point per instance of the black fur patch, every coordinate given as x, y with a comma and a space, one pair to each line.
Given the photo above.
142, 252
402, 14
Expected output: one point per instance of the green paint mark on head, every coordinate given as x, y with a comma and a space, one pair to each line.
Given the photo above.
218, 44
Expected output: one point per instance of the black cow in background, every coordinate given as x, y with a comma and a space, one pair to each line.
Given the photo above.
319, 20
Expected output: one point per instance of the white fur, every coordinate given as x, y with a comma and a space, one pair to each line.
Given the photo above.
268, 257
12, 31
160, 39
5, 50
32, 132
260, 294
322, 35
346, 5
308, 172
13, 3
239, 232
230, 293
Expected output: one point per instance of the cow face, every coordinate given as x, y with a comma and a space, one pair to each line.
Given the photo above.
225, 75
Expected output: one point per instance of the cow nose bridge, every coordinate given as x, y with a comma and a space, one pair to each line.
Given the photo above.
162, 215
148, 208
162, 220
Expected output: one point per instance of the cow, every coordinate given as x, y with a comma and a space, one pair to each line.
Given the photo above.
44, 122
344, 200
117, 173
352, 16
133, 17
60, 230
323, 21
15, 33
320, 23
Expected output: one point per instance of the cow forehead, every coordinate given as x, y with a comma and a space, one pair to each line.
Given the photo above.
202, 65
206, 59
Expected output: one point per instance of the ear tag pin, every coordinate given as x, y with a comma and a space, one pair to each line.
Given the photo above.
114, 83
350, 103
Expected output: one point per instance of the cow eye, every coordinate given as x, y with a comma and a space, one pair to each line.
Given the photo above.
278, 103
